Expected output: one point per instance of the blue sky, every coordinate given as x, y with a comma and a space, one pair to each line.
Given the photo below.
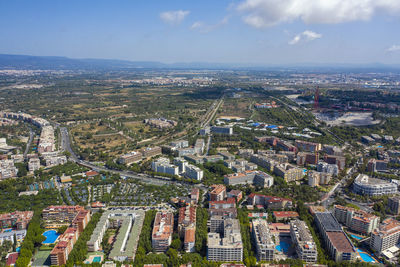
243, 31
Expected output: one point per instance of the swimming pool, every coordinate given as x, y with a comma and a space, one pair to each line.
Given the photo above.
356, 237
283, 247
365, 256
97, 259
51, 236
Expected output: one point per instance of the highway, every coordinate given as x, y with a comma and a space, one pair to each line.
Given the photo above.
66, 146
28, 145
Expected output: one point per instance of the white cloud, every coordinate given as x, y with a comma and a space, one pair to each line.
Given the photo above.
174, 17
197, 25
206, 28
393, 48
266, 13
306, 36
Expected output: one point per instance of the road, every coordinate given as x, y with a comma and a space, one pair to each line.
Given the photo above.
66, 146
212, 111
28, 145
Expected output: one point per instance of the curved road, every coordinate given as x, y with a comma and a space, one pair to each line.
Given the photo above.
66, 145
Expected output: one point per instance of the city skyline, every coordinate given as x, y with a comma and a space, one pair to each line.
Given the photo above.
255, 32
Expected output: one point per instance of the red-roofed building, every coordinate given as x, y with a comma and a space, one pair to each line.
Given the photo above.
218, 192
281, 229
237, 194
270, 202
223, 204
98, 205
91, 174
18, 219
284, 215
11, 258
194, 195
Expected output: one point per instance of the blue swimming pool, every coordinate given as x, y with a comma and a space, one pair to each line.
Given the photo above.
356, 237
51, 236
283, 247
97, 259
365, 256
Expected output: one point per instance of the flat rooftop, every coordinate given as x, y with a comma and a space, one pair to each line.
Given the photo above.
328, 221
341, 242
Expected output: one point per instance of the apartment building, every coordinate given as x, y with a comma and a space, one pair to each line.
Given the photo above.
131, 157
265, 246
33, 164
129, 224
375, 165
162, 231
227, 246
340, 161
325, 167
55, 216
249, 177
364, 185
59, 254
163, 165
337, 242
47, 140
186, 218
179, 144
7, 169
386, 236
357, 220
333, 150
187, 227
149, 152
306, 249
318, 178
218, 192
18, 220
55, 160
226, 155
289, 172
394, 205
270, 202
193, 172
304, 158
308, 146
199, 146
264, 162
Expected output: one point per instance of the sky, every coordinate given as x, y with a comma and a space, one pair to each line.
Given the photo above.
260, 32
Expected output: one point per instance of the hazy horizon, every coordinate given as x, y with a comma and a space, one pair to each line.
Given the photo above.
245, 32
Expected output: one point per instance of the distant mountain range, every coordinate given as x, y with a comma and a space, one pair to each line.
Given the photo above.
65, 63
